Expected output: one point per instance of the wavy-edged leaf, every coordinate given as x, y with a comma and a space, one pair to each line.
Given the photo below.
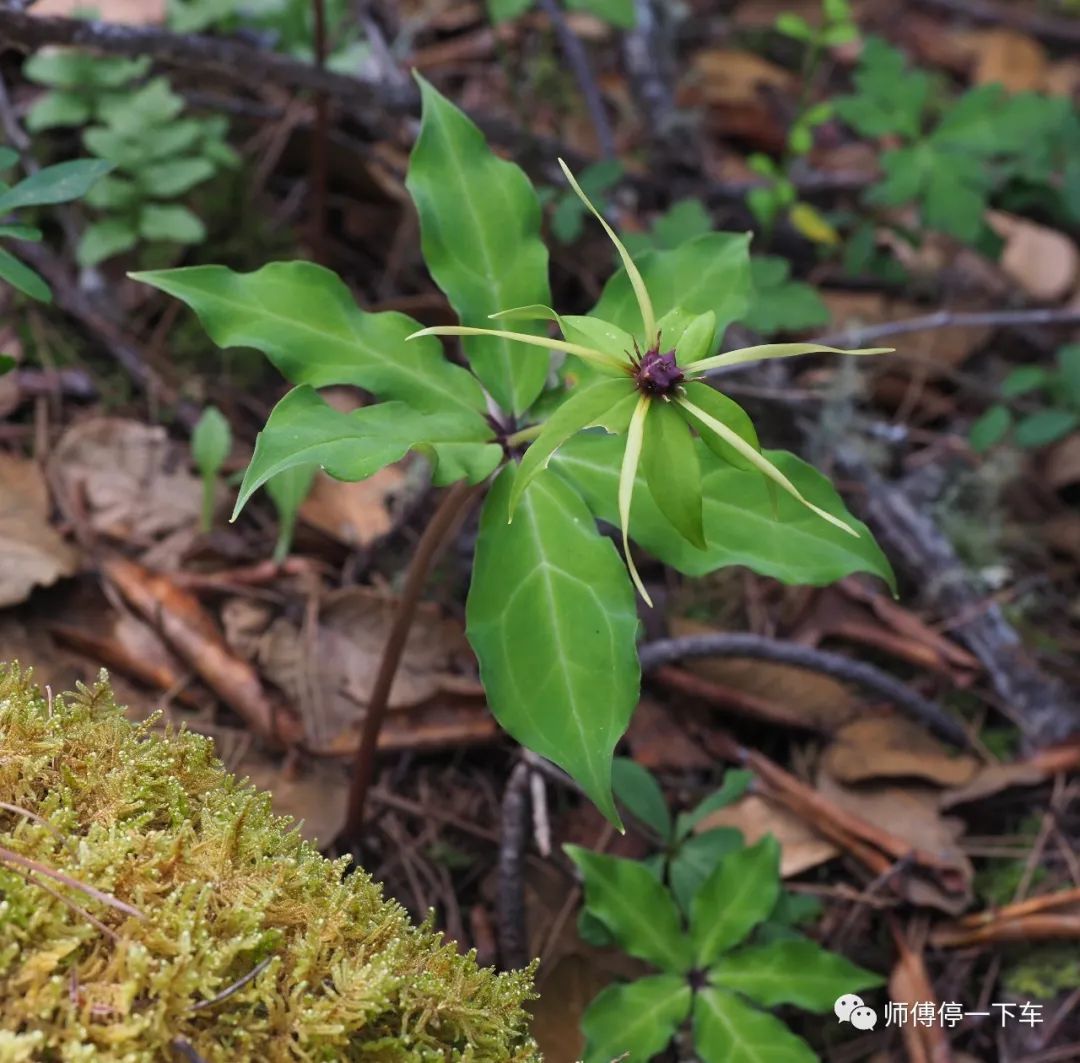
631, 902
709, 273
304, 429
304, 319
480, 233
637, 789
728, 1030
742, 525
552, 619
739, 894
581, 408
696, 859
792, 971
635, 1019
672, 471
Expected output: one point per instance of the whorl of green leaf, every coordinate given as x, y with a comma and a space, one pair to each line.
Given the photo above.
224, 888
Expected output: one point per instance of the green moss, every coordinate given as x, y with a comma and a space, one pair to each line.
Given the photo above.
223, 886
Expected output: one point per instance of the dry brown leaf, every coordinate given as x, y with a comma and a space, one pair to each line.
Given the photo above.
132, 12
1063, 463
32, 554
130, 478
992, 779
912, 813
801, 848
328, 672
1043, 261
1063, 78
825, 703
1009, 58
660, 742
1062, 532
884, 747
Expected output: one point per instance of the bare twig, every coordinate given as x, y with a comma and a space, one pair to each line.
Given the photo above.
510, 898
857, 337
576, 56
644, 56
236, 986
1055, 30
867, 676
452, 507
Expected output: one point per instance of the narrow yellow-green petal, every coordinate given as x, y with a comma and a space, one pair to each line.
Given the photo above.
764, 351
760, 462
588, 353
627, 474
648, 316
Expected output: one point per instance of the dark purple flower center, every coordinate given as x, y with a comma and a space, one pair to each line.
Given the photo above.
657, 374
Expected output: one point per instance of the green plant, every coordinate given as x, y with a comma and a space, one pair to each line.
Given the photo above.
551, 611
777, 196
567, 211
715, 968
155, 908
1055, 394
157, 151
54, 184
617, 12
211, 441
955, 156
287, 491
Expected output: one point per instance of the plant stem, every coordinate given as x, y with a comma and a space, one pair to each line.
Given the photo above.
209, 486
453, 505
526, 435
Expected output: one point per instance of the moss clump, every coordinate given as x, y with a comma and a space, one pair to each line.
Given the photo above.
223, 888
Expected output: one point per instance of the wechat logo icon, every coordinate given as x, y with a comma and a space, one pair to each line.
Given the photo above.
850, 1008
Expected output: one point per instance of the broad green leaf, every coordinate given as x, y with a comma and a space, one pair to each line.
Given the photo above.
635, 1020
728, 412
742, 524
709, 273
1045, 427
74, 70
728, 1030
990, 428
629, 900
617, 12
104, 239
793, 971
739, 894
736, 782
696, 859
779, 304
21, 232
54, 184
57, 109
304, 429
170, 222
164, 180
7, 363
21, 276
288, 490
305, 320
638, 791
8, 158
211, 441
1068, 359
480, 233
552, 618
579, 410
113, 194
1023, 380
672, 471
154, 104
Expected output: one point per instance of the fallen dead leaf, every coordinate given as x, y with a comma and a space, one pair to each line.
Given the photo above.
328, 671
1042, 261
912, 813
1009, 58
130, 479
884, 747
1063, 78
32, 554
992, 779
801, 848
659, 741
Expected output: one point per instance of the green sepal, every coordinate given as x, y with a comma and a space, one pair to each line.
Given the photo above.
729, 412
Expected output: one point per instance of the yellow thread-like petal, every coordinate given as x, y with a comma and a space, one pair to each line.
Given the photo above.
627, 474
764, 351
762, 463
588, 353
648, 317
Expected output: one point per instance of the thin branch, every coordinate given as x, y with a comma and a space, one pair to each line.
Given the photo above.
452, 507
858, 337
510, 896
1054, 30
644, 56
236, 986
576, 56
320, 164
867, 676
